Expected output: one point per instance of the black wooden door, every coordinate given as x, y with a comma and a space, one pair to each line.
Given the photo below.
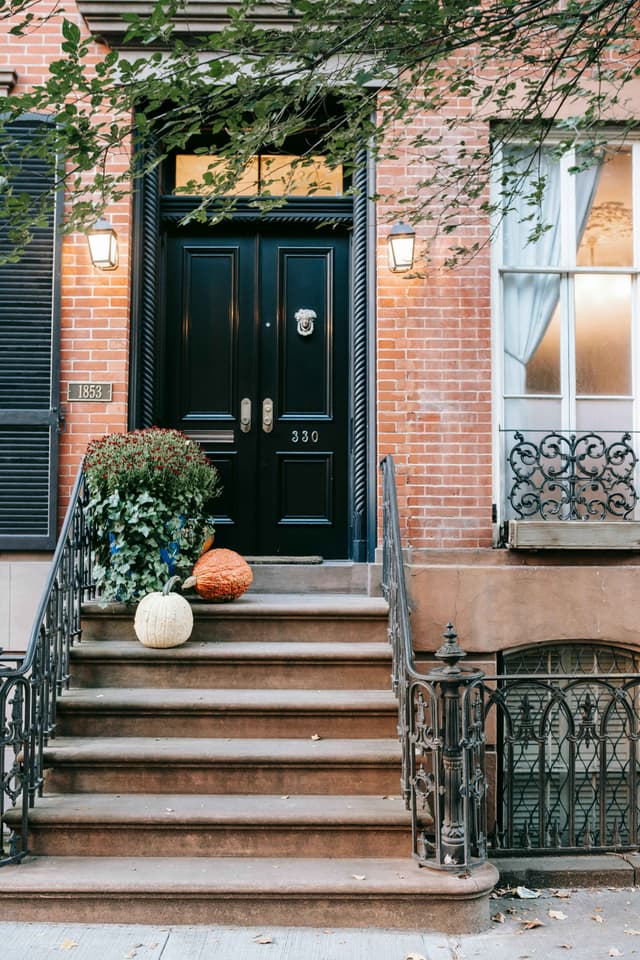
257, 370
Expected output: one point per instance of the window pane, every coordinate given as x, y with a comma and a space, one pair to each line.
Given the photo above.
190, 167
531, 333
535, 178
532, 414
603, 335
604, 212
282, 176
276, 175
605, 415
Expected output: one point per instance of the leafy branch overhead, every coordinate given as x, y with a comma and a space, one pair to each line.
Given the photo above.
420, 79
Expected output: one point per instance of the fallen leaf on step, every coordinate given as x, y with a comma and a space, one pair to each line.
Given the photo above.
414, 956
632, 932
69, 944
128, 956
557, 915
316, 736
358, 876
285, 797
263, 938
532, 924
498, 918
566, 946
614, 952
597, 918
525, 894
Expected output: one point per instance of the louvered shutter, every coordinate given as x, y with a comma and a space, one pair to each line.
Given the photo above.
29, 356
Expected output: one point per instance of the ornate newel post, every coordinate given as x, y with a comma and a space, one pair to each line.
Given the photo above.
454, 825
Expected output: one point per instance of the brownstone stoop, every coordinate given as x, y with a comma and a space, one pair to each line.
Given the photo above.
249, 776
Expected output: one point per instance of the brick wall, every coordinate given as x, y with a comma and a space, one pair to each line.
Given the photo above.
94, 304
434, 374
433, 352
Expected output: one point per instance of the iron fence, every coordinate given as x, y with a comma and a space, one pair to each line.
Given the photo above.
567, 760
30, 684
553, 475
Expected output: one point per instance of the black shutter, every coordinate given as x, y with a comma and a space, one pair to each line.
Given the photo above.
29, 358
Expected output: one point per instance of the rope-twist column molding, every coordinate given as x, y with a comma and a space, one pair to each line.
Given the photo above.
149, 298
359, 358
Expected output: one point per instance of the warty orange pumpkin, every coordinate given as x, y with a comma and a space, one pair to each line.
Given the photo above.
220, 575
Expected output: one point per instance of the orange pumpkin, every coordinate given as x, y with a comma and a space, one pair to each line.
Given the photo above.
220, 575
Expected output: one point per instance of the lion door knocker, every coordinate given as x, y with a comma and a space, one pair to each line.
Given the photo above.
305, 319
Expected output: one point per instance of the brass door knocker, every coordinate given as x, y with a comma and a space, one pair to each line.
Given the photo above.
305, 319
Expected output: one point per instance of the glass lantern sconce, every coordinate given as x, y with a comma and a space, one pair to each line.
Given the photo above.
400, 245
103, 245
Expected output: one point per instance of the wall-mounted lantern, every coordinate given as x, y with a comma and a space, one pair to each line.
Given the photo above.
400, 244
103, 245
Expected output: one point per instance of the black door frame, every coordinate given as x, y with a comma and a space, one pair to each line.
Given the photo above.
153, 212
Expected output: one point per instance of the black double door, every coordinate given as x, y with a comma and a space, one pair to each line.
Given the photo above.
257, 370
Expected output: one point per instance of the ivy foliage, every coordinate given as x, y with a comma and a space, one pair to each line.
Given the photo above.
387, 66
151, 496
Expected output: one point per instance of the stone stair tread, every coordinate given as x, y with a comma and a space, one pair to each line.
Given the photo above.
137, 699
119, 750
128, 650
259, 605
176, 877
256, 811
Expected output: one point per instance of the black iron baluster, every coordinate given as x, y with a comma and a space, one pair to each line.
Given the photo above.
29, 687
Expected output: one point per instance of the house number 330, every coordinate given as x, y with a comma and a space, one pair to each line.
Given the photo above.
304, 436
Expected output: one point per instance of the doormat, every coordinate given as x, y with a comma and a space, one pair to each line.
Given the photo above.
279, 559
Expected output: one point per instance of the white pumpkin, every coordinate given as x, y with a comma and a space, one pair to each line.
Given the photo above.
163, 619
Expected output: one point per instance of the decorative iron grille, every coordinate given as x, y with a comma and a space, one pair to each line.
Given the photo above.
568, 726
29, 685
568, 476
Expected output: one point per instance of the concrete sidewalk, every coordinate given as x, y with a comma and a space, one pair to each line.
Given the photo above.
572, 924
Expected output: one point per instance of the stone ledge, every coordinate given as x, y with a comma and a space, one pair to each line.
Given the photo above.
608, 870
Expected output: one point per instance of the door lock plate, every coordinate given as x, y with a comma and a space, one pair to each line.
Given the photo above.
245, 415
267, 415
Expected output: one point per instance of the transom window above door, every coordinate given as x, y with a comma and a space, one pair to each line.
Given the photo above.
265, 174
567, 322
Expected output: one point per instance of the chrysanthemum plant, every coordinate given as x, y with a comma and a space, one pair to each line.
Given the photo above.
151, 499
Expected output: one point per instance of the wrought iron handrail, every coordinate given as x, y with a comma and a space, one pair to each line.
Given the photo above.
29, 689
441, 734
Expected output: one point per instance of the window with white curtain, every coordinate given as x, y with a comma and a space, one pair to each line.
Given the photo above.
566, 302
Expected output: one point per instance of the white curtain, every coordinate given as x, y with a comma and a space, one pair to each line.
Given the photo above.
529, 300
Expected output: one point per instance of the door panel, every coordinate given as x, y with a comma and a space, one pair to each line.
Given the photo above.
266, 397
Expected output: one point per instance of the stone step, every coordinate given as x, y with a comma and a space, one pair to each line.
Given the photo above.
237, 664
151, 825
202, 765
330, 576
144, 712
262, 617
373, 892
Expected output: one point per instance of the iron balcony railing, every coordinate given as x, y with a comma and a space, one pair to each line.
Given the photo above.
556, 475
30, 684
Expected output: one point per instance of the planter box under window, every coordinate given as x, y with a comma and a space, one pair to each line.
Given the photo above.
574, 535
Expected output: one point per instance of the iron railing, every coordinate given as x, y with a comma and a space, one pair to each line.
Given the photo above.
546, 752
443, 781
30, 684
553, 475
567, 761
